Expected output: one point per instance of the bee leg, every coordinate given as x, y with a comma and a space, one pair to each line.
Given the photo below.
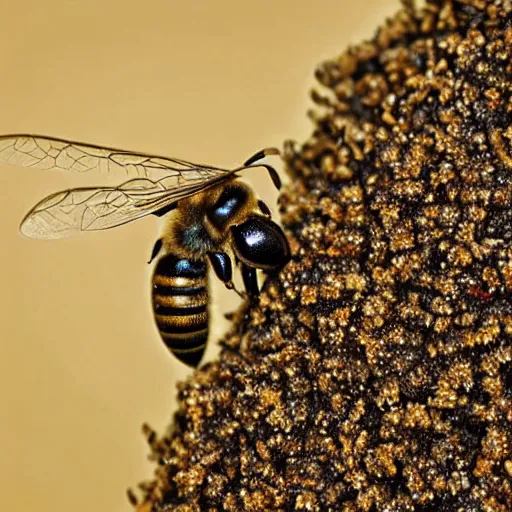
264, 208
242, 295
250, 278
223, 268
221, 264
156, 249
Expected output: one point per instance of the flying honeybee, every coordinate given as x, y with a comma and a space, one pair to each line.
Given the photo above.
212, 217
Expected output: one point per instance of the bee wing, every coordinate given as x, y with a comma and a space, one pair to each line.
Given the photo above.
160, 182
70, 212
49, 153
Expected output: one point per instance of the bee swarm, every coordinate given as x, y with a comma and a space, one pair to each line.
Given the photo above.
375, 372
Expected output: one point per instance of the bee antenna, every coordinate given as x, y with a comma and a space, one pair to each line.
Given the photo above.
261, 154
274, 176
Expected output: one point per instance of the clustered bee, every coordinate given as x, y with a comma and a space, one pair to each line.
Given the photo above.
210, 217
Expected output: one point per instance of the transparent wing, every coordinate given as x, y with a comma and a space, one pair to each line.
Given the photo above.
69, 212
49, 153
159, 183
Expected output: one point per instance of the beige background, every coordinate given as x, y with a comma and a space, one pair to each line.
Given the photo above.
81, 364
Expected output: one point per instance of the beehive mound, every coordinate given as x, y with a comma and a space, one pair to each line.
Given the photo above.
375, 372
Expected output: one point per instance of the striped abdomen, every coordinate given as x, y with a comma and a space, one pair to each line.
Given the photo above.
180, 306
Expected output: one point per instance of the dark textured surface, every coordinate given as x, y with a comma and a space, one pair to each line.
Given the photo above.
375, 372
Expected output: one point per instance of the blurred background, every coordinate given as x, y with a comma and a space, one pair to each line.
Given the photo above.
81, 363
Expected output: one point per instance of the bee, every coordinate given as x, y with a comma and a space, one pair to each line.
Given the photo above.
210, 217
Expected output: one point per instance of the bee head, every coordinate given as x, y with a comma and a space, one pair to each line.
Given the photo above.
260, 243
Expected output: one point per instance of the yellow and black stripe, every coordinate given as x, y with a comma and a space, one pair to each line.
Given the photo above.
180, 306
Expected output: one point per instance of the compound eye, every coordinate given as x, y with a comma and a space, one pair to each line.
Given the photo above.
227, 205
